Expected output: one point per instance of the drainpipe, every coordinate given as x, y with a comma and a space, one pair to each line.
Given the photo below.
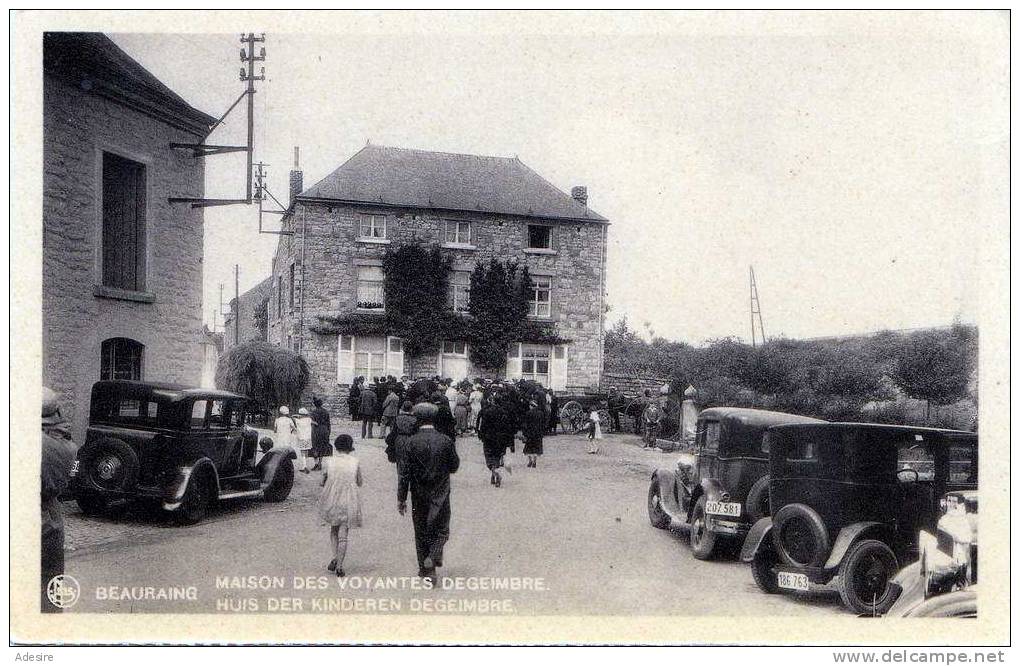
301, 300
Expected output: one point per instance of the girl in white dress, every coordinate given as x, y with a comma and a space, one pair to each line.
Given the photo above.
594, 431
340, 501
303, 442
285, 428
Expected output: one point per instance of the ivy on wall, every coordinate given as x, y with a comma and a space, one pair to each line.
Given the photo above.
416, 285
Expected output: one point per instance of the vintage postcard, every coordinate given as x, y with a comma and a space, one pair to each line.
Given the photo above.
510, 327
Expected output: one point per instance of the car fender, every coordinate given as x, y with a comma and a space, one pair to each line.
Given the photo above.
759, 533
666, 480
846, 538
173, 494
711, 489
270, 462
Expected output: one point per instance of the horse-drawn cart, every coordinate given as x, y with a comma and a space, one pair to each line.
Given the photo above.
573, 415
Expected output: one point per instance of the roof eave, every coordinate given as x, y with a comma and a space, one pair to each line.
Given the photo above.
597, 219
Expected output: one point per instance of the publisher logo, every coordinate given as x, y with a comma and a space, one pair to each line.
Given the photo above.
63, 591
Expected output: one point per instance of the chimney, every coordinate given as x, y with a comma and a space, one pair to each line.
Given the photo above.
296, 178
579, 194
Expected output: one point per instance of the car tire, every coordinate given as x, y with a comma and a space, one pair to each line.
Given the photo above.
799, 536
757, 504
865, 575
109, 465
961, 603
279, 488
703, 540
196, 501
763, 569
92, 503
657, 516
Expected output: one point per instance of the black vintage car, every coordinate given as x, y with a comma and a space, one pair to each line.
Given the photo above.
722, 488
183, 447
848, 500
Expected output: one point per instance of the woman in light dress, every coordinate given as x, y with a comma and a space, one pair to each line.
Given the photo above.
285, 427
304, 439
475, 399
340, 500
594, 431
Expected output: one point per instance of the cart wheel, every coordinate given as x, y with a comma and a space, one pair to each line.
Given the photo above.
572, 416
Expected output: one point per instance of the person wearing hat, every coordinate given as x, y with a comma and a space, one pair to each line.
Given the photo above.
340, 499
532, 430
58, 452
303, 422
285, 427
615, 405
431, 457
321, 447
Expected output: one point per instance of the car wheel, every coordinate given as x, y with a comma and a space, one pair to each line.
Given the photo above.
865, 576
109, 465
757, 504
800, 536
195, 503
92, 503
657, 516
279, 489
961, 603
702, 539
763, 568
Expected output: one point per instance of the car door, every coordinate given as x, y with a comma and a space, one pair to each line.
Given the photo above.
223, 441
916, 464
709, 433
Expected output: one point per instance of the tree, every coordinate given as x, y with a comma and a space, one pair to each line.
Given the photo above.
498, 309
936, 366
268, 374
416, 285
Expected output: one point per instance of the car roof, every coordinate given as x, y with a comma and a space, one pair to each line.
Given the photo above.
172, 392
874, 427
757, 417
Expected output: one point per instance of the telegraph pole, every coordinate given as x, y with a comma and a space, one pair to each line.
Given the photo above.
755, 311
221, 310
249, 59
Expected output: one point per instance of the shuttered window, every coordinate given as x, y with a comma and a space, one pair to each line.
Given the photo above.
123, 223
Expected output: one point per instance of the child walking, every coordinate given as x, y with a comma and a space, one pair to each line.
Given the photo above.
594, 431
340, 501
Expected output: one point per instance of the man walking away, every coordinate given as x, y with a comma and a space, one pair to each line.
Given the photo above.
367, 408
431, 458
58, 450
390, 407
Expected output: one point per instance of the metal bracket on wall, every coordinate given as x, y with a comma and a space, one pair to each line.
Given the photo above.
261, 194
248, 58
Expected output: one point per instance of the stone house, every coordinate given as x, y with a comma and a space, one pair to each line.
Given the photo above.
249, 313
122, 267
476, 209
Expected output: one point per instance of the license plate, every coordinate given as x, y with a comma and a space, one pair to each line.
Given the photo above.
731, 509
74, 467
793, 581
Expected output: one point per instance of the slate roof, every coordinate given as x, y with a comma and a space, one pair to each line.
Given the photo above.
448, 181
92, 61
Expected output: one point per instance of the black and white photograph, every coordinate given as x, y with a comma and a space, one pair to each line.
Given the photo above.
510, 327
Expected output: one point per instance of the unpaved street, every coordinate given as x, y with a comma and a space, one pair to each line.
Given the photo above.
573, 532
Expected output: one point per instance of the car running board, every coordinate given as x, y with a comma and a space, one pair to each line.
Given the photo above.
240, 493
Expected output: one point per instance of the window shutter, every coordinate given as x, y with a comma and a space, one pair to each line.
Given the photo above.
344, 359
513, 361
558, 368
394, 357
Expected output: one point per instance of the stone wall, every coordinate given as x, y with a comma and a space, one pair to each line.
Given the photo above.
77, 128
332, 250
243, 313
632, 385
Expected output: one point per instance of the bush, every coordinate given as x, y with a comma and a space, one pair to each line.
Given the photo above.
268, 374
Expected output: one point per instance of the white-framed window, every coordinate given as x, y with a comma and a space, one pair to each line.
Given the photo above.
368, 356
535, 363
371, 292
458, 232
460, 290
540, 236
372, 226
540, 304
454, 348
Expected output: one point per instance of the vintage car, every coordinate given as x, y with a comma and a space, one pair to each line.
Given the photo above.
943, 582
185, 448
848, 500
722, 488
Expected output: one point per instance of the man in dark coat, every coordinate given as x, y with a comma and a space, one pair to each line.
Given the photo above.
58, 451
404, 425
431, 457
445, 421
320, 433
615, 404
367, 406
533, 428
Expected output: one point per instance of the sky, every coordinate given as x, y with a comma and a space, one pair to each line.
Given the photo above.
848, 163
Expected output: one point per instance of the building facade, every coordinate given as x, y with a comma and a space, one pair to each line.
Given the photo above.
122, 267
475, 209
